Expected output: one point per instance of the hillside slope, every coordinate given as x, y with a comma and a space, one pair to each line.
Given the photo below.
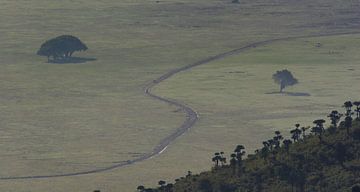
312, 160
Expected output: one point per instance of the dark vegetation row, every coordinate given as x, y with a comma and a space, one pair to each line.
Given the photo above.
314, 159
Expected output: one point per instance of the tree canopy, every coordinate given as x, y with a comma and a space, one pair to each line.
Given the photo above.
61, 47
284, 78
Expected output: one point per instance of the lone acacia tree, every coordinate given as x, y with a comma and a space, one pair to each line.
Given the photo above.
284, 78
61, 47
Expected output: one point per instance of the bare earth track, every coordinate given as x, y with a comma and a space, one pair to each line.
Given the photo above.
191, 115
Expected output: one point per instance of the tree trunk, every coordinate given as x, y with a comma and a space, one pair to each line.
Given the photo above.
282, 86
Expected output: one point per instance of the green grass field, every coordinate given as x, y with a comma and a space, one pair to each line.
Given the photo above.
236, 97
73, 117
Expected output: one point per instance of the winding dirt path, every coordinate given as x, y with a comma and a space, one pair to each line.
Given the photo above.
191, 115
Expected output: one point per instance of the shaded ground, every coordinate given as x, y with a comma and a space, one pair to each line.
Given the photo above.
72, 60
297, 94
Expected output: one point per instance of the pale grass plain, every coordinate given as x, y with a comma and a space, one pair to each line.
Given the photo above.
75, 117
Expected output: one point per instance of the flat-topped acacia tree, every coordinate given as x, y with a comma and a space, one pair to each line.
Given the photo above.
284, 78
61, 47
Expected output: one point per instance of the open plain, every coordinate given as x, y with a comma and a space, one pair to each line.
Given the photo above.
63, 118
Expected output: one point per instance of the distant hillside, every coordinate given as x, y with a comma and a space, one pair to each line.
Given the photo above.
314, 159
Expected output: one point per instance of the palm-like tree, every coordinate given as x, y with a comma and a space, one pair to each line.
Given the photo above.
287, 143
189, 173
348, 105
233, 159
140, 188
222, 159
239, 151
319, 128
335, 117
264, 152
277, 139
233, 162
319, 123
348, 124
216, 159
296, 133
303, 130
357, 110
219, 159
266, 144
162, 184
271, 143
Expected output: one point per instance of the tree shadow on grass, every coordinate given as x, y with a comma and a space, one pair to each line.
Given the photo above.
295, 94
72, 60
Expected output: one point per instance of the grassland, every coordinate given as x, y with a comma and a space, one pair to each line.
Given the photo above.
60, 118
237, 98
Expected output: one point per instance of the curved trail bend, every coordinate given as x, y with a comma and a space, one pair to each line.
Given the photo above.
191, 115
